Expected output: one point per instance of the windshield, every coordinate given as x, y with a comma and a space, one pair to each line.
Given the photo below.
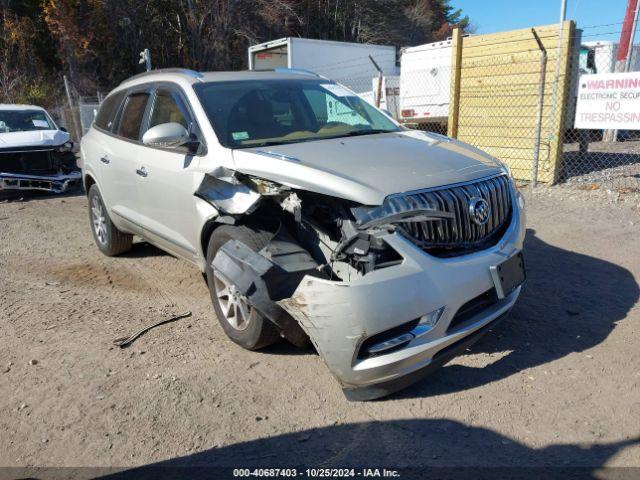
257, 113
24, 121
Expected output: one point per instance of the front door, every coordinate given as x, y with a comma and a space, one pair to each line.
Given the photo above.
166, 189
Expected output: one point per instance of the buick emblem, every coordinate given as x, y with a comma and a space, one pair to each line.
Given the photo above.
479, 210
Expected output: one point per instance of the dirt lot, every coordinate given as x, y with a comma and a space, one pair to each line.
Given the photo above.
558, 384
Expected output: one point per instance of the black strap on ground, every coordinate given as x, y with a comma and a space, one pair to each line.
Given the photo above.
126, 341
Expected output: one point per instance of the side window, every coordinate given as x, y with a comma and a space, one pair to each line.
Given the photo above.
108, 109
132, 116
168, 107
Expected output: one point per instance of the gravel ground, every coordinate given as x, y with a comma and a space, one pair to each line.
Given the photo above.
557, 384
613, 165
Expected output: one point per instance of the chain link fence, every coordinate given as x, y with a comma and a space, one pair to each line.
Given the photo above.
87, 110
594, 158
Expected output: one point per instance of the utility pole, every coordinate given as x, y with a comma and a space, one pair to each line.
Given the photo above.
624, 52
378, 98
538, 130
556, 77
632, 37
78, 132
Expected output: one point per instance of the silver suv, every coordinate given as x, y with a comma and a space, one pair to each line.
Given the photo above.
314, 215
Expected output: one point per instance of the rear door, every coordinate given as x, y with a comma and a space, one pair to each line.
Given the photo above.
122, 157
167, 204
97, 149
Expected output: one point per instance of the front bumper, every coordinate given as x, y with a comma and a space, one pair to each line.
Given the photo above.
340, 316
57, 183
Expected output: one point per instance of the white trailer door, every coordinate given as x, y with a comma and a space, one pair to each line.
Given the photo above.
276, 57
425, 79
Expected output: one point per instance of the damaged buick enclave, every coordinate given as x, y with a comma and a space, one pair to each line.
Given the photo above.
314, 216
34, 153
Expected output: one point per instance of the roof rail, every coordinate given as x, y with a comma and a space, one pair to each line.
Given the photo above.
298, 71
183, 71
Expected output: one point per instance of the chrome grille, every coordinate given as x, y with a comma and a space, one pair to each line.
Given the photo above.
459, 233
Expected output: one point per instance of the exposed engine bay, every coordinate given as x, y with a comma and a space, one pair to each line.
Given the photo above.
34, 153
38, 160
51, 169
341, 240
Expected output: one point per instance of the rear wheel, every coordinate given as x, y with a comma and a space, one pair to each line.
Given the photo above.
242, 323
108, 238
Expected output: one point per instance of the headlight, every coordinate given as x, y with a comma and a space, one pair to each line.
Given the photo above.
65, 147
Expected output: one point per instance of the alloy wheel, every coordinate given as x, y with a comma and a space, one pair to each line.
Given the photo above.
99, 220
234, 305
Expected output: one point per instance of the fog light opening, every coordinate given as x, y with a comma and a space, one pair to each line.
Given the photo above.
398, 337
427, 322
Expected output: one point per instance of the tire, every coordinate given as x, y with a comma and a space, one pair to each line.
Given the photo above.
108, 238
249, 329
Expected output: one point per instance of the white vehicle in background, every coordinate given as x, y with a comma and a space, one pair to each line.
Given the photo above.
34, 153
600, 57
425, 80
343, 62
389, 94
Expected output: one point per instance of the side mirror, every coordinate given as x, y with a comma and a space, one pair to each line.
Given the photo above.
168, 135
387, 112
62, 129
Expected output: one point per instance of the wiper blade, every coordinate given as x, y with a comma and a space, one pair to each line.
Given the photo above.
357, 133
270, 143
266, 144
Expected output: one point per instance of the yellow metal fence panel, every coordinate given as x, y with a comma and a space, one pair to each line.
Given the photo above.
498, 89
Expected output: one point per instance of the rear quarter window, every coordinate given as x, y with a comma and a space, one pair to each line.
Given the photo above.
108, 110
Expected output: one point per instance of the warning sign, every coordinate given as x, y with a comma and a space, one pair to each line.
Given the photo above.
609, 101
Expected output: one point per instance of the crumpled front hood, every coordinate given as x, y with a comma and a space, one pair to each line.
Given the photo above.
35, 138
367, 169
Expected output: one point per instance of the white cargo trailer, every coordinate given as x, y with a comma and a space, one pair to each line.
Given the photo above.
425, 77
425, 80
343, 62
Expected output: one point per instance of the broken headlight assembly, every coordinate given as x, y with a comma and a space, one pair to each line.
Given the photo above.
323, 225
329, 229
367, 252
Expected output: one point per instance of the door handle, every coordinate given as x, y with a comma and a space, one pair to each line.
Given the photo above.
142, 172
105, 160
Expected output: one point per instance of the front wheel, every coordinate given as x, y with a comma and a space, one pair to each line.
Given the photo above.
242, 323
108, 238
